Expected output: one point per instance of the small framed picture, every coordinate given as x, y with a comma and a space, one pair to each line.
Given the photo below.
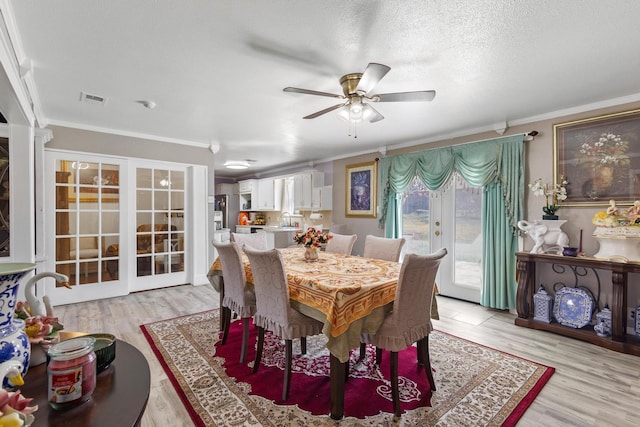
600, 159
361, 190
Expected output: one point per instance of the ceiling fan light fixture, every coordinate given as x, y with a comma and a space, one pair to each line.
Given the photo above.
343, 113
355, 111
236, 164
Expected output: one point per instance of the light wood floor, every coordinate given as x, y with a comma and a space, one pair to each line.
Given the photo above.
591, 386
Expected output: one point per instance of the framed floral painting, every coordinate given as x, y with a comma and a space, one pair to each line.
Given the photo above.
361, 190
600, 158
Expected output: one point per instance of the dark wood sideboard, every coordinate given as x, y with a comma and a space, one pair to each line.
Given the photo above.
527, 285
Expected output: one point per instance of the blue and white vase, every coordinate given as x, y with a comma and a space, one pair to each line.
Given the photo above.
14, 342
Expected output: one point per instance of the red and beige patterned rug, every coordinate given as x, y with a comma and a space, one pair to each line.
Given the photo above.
476, 385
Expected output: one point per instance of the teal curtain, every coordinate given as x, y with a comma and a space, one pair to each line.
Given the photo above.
497, 166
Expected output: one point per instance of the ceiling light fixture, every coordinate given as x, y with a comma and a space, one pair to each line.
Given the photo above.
80, 165
355, 112
236, 164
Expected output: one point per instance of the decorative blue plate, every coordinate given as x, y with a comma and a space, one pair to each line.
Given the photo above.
573, 307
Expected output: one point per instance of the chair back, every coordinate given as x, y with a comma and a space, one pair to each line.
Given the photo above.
254, 240
272, 293
412, 304
341, 243
236, 295
383, 248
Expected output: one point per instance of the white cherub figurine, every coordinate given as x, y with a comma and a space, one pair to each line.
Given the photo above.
612, 209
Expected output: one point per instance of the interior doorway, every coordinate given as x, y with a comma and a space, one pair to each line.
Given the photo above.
116, 225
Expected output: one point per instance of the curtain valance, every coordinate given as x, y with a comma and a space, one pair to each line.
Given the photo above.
478, 163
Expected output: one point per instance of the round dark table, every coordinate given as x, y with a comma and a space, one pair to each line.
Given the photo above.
120, 397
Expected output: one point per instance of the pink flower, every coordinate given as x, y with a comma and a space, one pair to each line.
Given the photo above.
14, 400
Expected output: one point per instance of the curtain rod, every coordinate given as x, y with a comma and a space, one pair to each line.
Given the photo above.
527, 137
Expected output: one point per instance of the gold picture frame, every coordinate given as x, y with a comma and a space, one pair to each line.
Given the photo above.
361, 191
599, 158
87, 176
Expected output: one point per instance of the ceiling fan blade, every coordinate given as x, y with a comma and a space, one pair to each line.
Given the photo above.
371, 114
312, 92
423, 95
371, 76
325, 111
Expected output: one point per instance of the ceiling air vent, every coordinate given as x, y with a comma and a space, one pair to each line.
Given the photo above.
92, 99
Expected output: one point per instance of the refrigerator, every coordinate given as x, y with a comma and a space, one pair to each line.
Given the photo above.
229, 205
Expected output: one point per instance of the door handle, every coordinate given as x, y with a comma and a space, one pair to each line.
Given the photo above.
437, 232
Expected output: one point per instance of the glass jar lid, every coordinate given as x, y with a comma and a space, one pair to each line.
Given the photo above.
70, 349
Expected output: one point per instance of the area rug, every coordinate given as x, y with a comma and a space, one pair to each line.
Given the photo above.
476, 385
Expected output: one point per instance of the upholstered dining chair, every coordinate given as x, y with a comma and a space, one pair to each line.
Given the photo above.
410, 319
274, 312
237, 297
341, 243
383, 248
254, 240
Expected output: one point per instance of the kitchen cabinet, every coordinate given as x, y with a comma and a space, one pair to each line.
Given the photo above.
247, 186
322, 198
280, 237
303, 185
269, 195
248, 194
302, 192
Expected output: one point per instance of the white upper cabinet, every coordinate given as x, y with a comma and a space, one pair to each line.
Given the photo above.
248, 191
322, 198
302, 191
304, 185
269, 194
326, 200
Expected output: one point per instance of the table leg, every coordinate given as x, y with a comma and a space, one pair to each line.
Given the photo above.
337, 388
619, 306
223, 312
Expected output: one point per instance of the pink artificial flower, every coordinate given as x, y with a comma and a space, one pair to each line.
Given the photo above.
16, 401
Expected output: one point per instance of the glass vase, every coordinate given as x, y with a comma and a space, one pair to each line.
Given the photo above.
310, 253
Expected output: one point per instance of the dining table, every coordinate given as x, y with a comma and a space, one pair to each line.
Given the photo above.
350, 294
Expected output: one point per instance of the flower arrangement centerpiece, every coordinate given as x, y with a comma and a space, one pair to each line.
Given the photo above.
311, 240
554, 194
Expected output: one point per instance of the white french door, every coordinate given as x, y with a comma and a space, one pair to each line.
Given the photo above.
114, 225
85, 218
159, 203
449, 218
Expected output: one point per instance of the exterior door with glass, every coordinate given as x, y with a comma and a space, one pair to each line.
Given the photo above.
449, 218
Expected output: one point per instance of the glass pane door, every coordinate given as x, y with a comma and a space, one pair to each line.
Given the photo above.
447, 218
160, 195
87, 228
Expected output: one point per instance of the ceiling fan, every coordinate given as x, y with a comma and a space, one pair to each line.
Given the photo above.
356, 88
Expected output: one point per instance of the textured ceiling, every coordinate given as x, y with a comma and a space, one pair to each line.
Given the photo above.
216, 69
